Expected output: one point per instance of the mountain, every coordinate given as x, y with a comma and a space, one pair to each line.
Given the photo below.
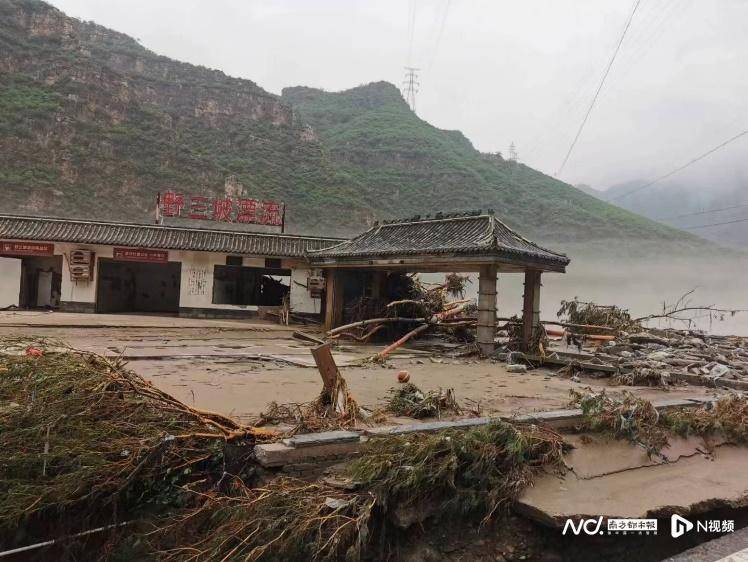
408, 166
93, 124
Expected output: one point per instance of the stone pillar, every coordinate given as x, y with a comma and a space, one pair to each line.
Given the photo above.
531, 307
487, 309
333, 299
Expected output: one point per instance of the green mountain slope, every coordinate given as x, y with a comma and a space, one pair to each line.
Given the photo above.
92, 124
408, 166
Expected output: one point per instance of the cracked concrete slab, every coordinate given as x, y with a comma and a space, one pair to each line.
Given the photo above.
617, 479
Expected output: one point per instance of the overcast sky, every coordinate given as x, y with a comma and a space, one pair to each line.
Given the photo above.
498, 70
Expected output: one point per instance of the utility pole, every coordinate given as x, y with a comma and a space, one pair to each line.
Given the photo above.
411, 84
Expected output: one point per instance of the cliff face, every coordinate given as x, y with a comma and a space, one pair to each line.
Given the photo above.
93, 124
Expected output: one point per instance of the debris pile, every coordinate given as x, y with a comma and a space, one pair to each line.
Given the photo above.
428, 308
471, 472
334, 408
85, 441
633, 354
635, 419
409, 400
589, 316
660, 357
286, 519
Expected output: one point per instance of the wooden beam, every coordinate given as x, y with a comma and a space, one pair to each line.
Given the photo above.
530, 307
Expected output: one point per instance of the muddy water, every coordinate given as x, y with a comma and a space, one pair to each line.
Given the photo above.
640, 286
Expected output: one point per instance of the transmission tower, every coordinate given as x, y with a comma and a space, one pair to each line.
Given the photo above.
410, 86
512, 152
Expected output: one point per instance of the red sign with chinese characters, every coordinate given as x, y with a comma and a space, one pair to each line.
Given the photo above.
247, 211
137, 254
27, 248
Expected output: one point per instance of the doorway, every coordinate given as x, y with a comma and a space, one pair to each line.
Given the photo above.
130, 286
41, 282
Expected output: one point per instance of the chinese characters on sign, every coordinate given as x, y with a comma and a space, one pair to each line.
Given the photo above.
247, 211
136, 254
26, 248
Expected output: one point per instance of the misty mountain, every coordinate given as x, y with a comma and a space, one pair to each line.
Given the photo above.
92, 124
694, 206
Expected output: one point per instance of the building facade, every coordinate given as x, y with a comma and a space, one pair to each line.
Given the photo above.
94, 266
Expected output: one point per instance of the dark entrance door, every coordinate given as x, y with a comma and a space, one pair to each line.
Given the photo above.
131, 286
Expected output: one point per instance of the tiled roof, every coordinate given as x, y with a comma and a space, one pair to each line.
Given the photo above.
463, 234
160, 237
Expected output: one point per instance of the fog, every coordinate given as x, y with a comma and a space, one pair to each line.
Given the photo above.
642, 286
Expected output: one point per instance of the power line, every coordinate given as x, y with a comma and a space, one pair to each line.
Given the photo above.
599, 88
439, 37
681, 168
411, 84
411, 28
713, 224
708, 211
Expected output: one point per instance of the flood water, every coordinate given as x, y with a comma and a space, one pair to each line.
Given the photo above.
642, 286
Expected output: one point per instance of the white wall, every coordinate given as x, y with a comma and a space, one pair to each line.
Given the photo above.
80, 291
10, 281
196, 279
301, 300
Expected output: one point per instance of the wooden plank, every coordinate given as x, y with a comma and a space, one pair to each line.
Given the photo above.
565, 361
328, 370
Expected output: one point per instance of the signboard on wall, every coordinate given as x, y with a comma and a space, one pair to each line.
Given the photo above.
27, 248
139, 254
243, 211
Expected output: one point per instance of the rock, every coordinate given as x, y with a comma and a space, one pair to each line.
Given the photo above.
335, 503
575, 378
659, 356
626, 354
719, 370
516, 368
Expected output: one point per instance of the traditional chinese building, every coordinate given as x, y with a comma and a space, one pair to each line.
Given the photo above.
464, 242
95, 266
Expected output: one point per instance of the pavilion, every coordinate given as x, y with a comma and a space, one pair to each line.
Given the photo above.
467, 242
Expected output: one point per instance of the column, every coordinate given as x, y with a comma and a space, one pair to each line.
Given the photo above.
531, 307
334, 299
487, 309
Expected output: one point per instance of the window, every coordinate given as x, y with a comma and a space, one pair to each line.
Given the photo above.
234, 260
250, 285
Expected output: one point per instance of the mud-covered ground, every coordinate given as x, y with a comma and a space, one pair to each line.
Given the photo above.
237, 368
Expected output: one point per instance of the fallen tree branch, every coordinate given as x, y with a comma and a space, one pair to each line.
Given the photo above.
363, 323
393, 346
